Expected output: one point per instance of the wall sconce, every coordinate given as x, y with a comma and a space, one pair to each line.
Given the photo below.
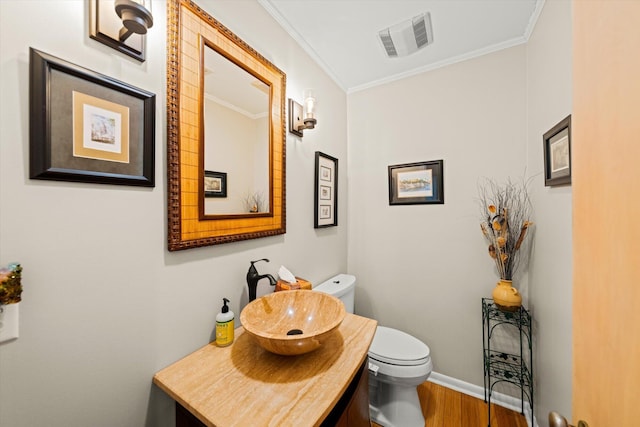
300, 119
121, 24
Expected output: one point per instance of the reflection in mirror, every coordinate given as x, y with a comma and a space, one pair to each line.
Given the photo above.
236, 136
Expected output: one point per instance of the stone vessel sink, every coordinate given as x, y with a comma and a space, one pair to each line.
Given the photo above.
292, 322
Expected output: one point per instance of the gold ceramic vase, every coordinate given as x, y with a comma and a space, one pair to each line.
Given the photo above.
506, 297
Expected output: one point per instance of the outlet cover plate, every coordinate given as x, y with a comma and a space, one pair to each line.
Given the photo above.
9, 322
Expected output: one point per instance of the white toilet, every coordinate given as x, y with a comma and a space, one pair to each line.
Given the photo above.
398, 363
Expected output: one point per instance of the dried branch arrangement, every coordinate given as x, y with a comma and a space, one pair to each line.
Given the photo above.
254, 202
505, 212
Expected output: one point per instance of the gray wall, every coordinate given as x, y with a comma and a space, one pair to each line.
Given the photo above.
105, 305
549, 99
424, 268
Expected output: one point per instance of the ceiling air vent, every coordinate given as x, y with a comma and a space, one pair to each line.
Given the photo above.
407, 37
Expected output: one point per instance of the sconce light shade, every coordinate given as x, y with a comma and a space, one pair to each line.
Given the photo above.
135, 18
299, 118
121, 24
309, 109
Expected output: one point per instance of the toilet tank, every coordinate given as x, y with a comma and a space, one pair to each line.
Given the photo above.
342, 286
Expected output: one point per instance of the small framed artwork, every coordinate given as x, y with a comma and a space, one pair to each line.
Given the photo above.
88, 127
557, 154
215, 184
416, 183
326, 191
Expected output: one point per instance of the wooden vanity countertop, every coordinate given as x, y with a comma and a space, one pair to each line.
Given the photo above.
244, 385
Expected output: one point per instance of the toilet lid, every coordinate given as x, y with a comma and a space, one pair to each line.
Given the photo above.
397, 348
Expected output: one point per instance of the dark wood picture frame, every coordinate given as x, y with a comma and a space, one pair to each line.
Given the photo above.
557, 154
325, 212
416, 183
215, 184
88, 127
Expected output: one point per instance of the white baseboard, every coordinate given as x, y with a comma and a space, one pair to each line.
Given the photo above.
501, 399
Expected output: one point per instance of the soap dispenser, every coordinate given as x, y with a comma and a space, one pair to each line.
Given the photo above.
224, 325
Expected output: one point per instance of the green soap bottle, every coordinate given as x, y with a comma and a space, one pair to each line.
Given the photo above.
224, 325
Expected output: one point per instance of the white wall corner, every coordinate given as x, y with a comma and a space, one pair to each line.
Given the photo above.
533, 19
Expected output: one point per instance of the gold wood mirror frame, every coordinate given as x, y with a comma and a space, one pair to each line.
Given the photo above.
188, 26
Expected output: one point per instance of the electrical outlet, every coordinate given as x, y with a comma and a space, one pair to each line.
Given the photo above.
9, 321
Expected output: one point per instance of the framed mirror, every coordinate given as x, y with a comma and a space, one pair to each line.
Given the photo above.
225, 134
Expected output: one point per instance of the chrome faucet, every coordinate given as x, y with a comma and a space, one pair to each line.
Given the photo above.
253, 278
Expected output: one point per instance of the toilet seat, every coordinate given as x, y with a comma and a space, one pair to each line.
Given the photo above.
398, 348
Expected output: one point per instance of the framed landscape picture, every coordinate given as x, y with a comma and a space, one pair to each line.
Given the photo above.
416, 183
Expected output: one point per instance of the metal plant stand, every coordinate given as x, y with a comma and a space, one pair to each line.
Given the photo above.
501, 366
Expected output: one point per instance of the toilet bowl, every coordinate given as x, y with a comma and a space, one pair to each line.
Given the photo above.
398, 363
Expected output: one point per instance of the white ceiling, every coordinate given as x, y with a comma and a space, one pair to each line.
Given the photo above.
342, 35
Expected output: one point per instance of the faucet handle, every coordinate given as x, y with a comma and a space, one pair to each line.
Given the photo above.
252, 269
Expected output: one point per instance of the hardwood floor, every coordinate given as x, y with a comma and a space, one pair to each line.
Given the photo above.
443, 407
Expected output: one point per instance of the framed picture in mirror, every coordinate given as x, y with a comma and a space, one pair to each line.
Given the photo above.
215, 184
